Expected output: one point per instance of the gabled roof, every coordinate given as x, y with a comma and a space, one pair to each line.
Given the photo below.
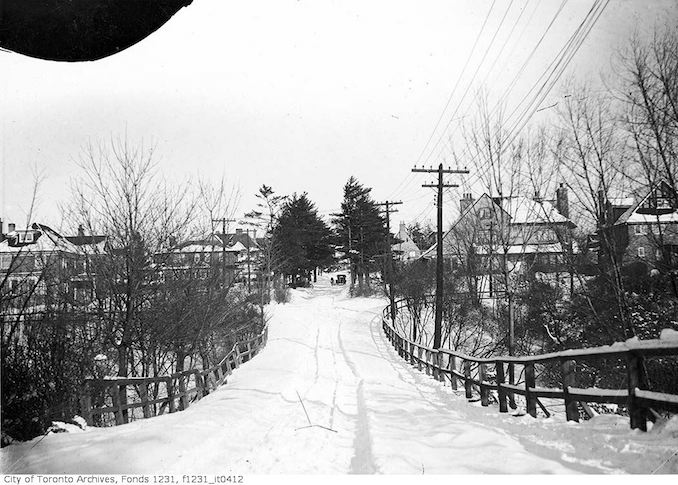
243, 238
631, 216
47, 240
518, 209
407, 245
210, 245
523, 210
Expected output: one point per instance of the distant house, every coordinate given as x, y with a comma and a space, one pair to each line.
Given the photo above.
201, 258
39, 266
249, 251
641, 229
405, 249
517, 235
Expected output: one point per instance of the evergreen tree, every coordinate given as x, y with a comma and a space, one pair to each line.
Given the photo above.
361, 231
264, 216
301, 238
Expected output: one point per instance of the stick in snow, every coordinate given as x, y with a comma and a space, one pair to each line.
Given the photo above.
310, 424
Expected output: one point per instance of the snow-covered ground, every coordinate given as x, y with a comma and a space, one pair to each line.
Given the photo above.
375, 414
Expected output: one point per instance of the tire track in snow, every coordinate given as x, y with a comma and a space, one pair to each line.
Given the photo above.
363, 458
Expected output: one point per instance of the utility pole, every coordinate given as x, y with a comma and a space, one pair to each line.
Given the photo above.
388, 267
223, 221
438, 329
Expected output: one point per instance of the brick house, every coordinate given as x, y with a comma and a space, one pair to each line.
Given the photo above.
642, 229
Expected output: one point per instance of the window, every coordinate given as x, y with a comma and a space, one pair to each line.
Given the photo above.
196, 258
641, 252
639, 229
484, 213
5, 261
658, 254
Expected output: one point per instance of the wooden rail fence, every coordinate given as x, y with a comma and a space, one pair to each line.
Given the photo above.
472, 372
175, 392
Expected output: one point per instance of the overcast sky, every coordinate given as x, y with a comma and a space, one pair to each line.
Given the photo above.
299, 94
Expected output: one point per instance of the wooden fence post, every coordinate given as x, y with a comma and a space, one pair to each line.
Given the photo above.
229, 369
420, 352
441, 366
468, 385
169, 382
218, 374
427, 353
117, 404
571, 409
143, 395
86, 403
434, 364
530, 382
634, 373
249, 351
452, 365
183, 398
484, 391
238, 358
501, 392
199, 385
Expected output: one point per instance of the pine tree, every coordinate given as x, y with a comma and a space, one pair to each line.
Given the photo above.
265, 215
360, 231
301, 238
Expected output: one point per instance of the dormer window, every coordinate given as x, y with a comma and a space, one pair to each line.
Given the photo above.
25, 237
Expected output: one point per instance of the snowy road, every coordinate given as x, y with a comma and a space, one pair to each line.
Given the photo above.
386, 416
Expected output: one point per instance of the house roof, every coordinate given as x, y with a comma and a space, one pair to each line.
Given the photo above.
47, 240
407, 245
524, 210
519, 209
242, 237
210, 245
631, 215
81, 240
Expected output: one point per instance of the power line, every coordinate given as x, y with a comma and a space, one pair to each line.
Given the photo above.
456, 84
482, 60
522, 68
552, 74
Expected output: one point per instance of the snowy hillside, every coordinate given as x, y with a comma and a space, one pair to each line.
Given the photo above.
375, 414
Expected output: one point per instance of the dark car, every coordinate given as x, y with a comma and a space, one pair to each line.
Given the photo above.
341, 279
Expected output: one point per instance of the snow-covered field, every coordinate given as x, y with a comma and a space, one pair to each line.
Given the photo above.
375, 414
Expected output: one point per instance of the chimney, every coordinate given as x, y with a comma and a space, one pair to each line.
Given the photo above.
11, 227
465, 202
602, 209
81, 231
562, 203
2, 230
238, 231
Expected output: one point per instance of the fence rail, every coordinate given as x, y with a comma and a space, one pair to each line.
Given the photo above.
472, 372
157, 395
